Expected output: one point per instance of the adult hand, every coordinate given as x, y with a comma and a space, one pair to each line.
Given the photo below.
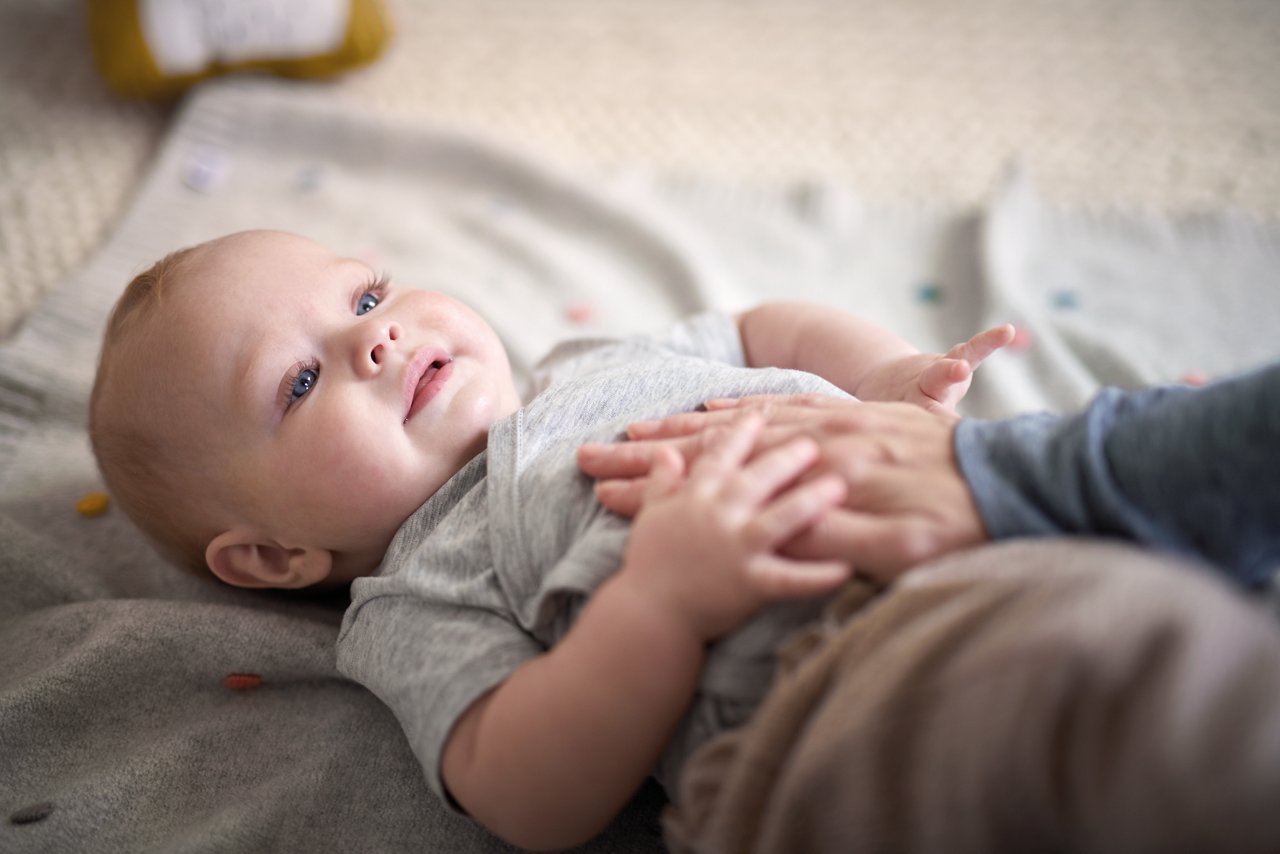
740, 509
906, 500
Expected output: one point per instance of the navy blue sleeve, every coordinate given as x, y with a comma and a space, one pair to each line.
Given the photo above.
1190, 470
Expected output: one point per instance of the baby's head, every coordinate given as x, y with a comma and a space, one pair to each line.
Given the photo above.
274, 411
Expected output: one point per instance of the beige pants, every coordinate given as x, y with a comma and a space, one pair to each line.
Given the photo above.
1029, 696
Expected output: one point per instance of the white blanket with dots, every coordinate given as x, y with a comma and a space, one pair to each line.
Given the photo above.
144, 709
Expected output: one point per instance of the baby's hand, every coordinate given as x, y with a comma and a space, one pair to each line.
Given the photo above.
704, 547
934, 381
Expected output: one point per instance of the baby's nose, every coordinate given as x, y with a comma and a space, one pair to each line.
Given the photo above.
384, 338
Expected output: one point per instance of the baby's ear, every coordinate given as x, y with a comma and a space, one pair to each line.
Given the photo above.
242, 558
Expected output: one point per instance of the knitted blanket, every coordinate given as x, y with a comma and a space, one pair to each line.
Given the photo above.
145, 709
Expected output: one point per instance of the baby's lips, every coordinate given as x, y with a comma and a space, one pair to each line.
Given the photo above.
423, 359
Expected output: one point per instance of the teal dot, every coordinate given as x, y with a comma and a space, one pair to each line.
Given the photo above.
1066, 299
929, 293
310, 178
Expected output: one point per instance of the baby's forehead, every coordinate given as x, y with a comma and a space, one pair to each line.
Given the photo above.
262, 243
239, 281
258, 259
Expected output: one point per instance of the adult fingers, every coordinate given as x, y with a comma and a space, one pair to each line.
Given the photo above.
881, 547
681, 424
622, 479
609, 460
771, 471
621, 462
692, 433
727, 450
774, 578
665, 475
776, 409
770, 401
773, 408
624, 497
630, 459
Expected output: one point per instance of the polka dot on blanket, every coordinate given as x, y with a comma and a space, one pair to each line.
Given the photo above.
242, 681
32, 814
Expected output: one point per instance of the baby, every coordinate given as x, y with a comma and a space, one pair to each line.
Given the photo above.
287, 417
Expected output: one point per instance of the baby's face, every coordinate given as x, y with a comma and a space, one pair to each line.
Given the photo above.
339, 403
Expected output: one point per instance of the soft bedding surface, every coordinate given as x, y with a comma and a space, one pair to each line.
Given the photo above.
119, 727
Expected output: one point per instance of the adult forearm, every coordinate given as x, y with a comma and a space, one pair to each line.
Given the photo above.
1195, 471
555, 752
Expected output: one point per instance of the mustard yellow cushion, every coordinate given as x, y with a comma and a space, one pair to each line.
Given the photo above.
151, 48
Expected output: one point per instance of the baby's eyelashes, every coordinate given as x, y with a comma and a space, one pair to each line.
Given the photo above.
367, 303
297, 382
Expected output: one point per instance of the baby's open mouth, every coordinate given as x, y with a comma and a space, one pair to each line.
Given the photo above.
435, 374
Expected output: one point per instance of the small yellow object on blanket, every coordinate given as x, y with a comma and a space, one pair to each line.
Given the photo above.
153, 48
93, 504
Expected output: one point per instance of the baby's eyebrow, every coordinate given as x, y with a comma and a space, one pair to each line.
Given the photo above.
358, 262
250, 399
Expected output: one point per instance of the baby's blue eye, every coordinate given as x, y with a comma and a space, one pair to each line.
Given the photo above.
367, 303
303, 383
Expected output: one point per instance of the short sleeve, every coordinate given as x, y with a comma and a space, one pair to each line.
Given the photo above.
428, 662
711, 335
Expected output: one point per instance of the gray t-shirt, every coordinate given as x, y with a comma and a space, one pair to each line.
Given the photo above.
492, 570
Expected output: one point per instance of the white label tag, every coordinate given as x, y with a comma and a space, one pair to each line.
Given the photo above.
185, 36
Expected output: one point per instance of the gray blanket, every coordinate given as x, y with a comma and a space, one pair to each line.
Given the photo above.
119, 727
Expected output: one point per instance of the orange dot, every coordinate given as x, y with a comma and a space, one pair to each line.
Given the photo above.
1195, 378
242, 681
93, 504
581, 313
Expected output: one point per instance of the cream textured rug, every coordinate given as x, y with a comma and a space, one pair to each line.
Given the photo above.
119, 729
1140, 104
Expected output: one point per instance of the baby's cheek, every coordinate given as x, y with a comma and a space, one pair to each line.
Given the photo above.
348, 464
365, 471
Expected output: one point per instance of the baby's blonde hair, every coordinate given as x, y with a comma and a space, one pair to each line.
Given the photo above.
150, 471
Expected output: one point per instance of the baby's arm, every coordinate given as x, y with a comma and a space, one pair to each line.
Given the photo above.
861, 357
551, 755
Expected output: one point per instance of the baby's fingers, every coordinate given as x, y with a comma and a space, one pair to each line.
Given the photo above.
982, 345
625, 491
945, 382
728, 450
940, 378
795, 511
773, 578
624, 497
664, 475
770, 471
885, 546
